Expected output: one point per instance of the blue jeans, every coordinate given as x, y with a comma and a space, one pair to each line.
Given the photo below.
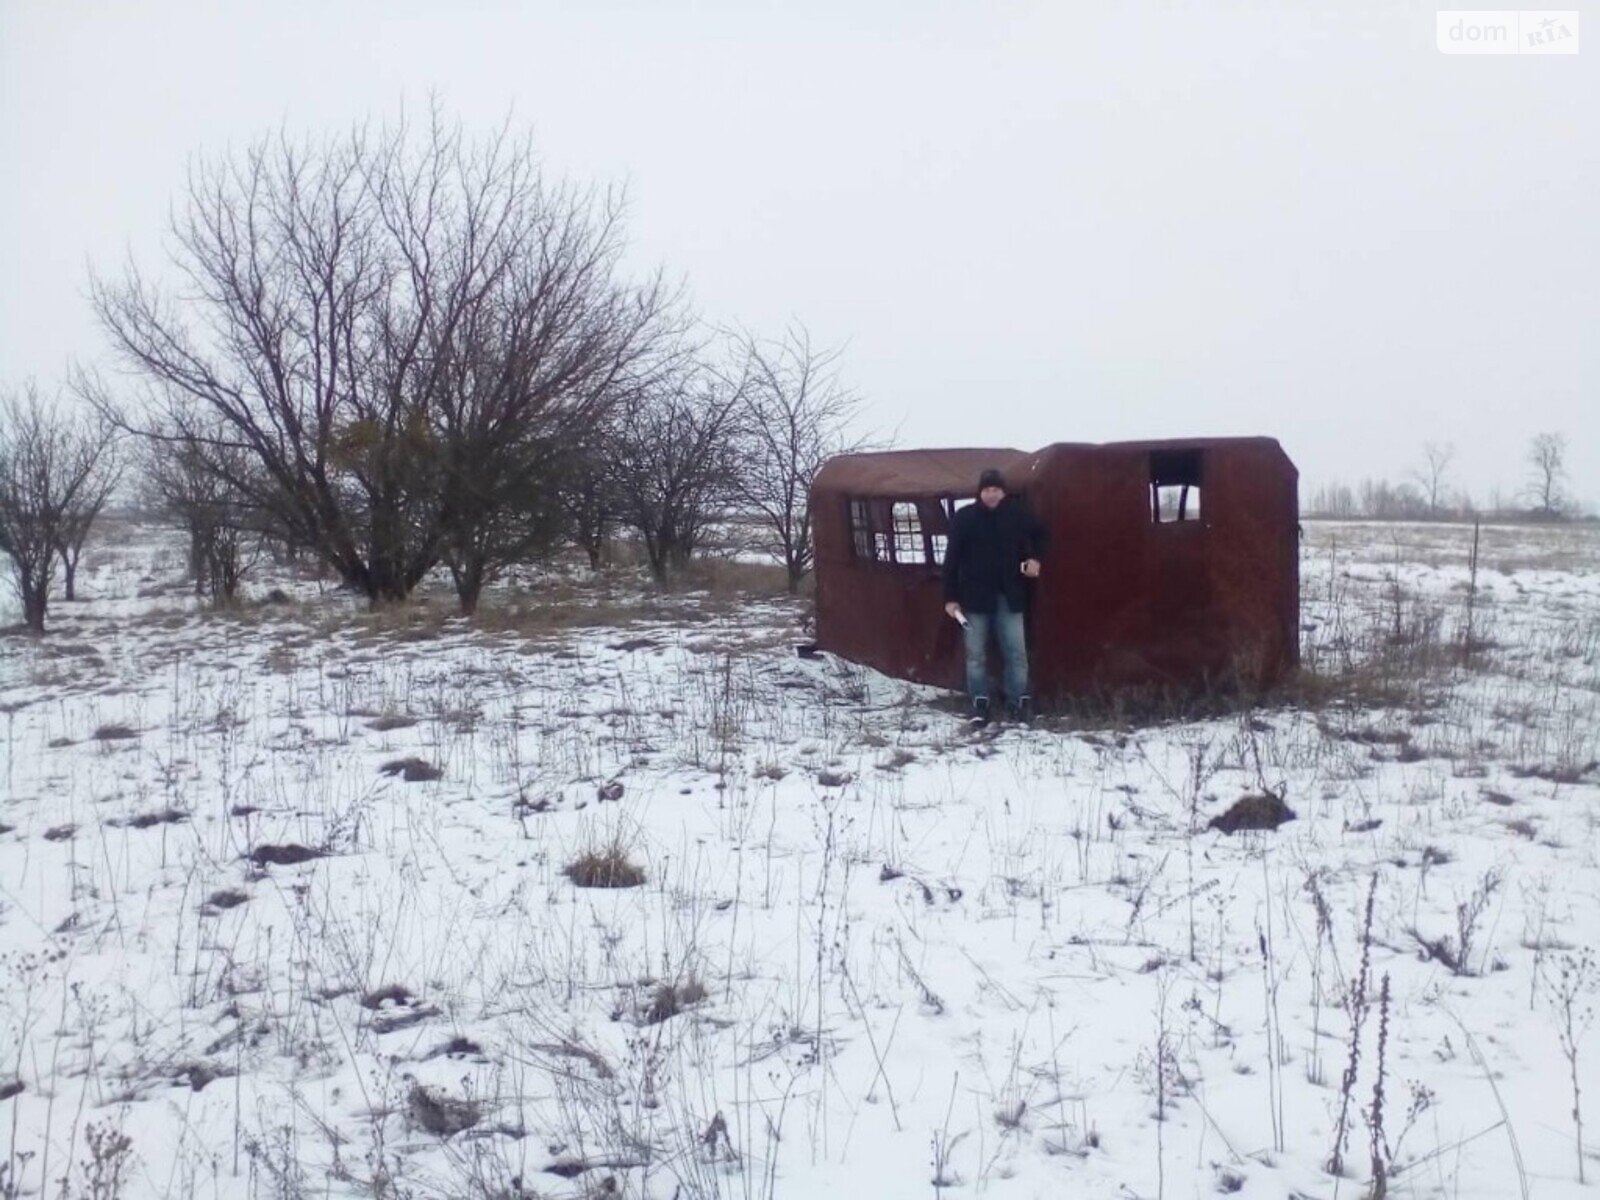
1007, 627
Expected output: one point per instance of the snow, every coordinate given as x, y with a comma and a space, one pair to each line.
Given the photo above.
933, 963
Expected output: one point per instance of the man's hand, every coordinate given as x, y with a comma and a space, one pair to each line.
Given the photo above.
1030, 568
953, 610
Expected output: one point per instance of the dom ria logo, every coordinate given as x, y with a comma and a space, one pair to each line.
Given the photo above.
1507, 32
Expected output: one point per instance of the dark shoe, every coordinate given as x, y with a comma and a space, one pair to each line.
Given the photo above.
1022, 710
980, 712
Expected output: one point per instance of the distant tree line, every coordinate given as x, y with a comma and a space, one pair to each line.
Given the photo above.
404, 349
1427, 494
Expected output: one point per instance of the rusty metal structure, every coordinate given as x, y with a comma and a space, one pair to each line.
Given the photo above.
1171, 564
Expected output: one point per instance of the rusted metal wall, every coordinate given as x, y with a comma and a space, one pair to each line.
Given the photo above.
1122, 601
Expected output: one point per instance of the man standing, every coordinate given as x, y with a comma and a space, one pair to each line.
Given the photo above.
994, 549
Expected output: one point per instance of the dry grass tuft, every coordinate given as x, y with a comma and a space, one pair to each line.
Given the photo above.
1556, 773
404, 1018
725, 579
546, 615
420, 619
608, 867
442, 1114
670, 999
1010, 1116
1371, 735
281, 660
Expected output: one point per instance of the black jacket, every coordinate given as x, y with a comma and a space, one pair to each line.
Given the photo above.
983, 558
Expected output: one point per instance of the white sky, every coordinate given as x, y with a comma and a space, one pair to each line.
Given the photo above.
1027, 222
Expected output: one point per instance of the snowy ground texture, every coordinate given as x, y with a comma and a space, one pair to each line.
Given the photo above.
869, 954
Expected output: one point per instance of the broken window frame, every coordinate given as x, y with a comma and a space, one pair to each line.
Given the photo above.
858, 513
907, 540
935, 514
882, 531
1183, 470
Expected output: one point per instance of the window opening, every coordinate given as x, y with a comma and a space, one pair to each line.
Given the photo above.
907, 525
861, 529
1174, 486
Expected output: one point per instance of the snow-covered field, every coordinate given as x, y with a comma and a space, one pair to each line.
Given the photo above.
870, 954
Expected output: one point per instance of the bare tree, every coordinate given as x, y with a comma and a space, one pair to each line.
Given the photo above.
796, 417
194, 484
385, 325
591, 506
533, 369
1385, 501
53, 476
297, 345
1333, 500
675, 461
80, 514
1430, 477
1547, 470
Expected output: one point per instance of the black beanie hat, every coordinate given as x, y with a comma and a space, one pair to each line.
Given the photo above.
991, 477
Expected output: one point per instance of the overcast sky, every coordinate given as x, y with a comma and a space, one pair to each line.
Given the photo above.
1025, 223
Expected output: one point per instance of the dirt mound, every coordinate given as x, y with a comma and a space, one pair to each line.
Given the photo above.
1263, 811
288, 855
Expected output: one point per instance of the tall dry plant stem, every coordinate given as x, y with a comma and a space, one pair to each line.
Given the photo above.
1357, 1004
1380, 1170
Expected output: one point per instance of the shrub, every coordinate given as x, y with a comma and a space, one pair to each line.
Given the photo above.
607, 867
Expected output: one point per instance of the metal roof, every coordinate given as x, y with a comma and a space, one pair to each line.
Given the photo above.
955, 472
916, 472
